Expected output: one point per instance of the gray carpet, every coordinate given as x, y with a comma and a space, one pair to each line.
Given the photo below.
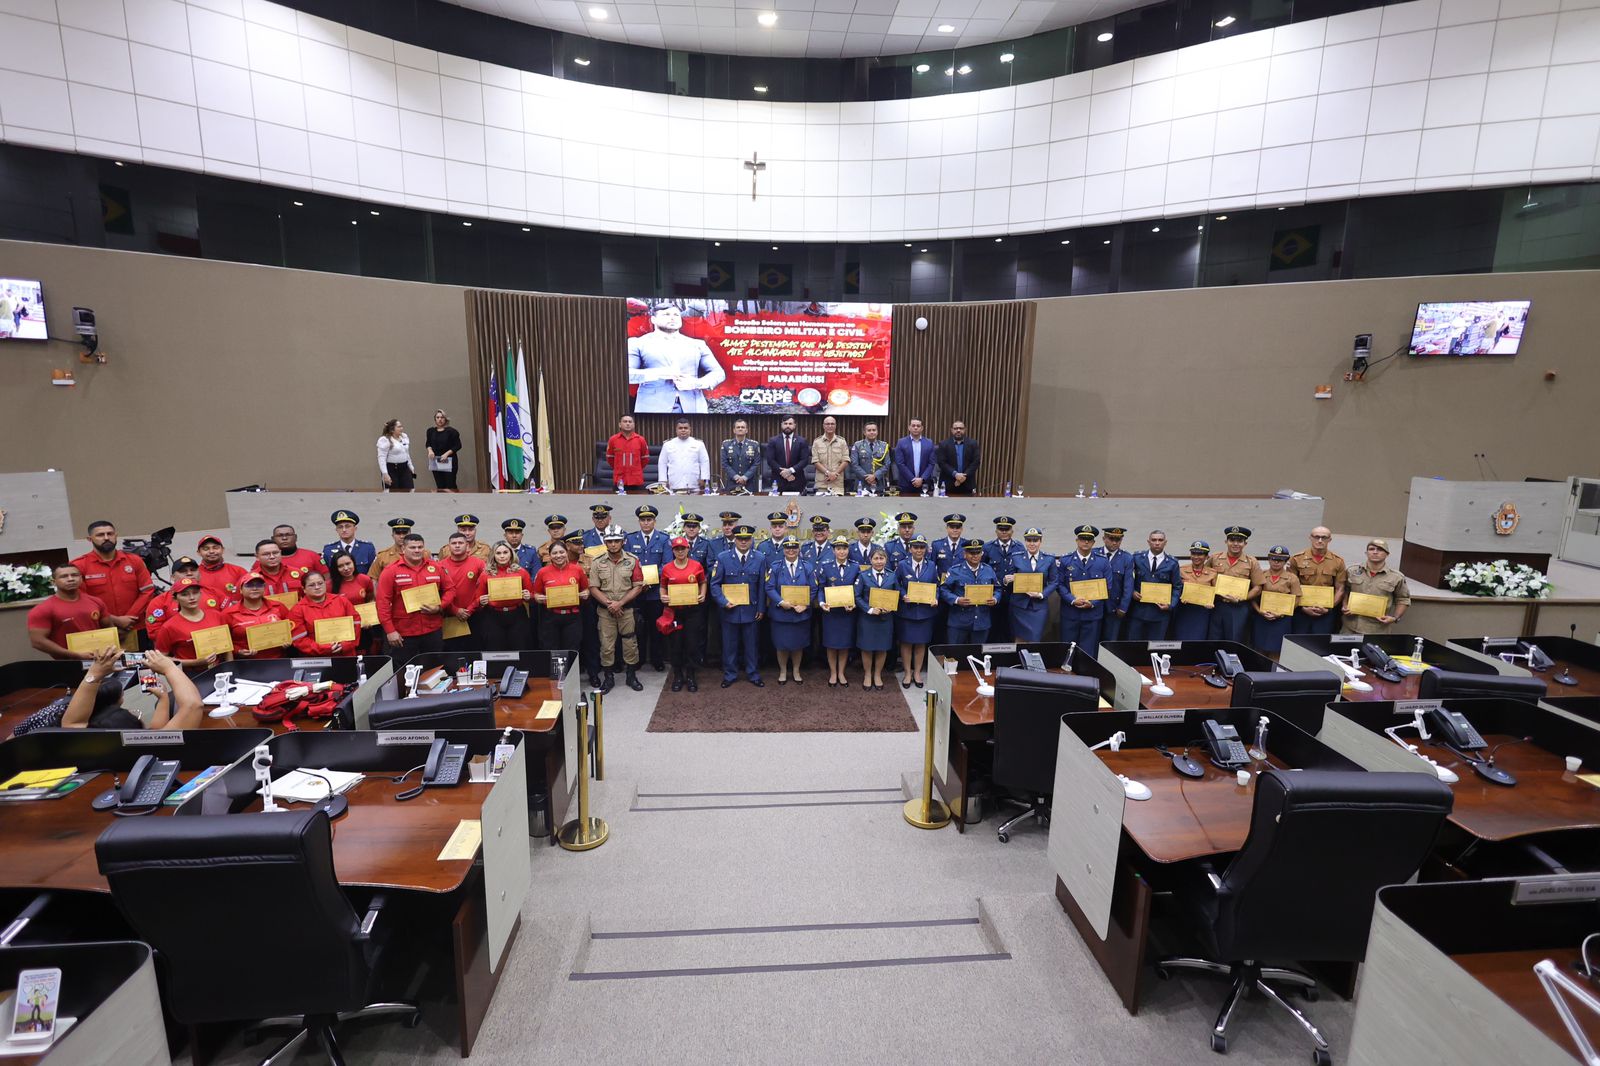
760, 858
814, 707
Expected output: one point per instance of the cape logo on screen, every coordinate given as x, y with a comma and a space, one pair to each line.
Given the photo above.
766, 396
1505, 520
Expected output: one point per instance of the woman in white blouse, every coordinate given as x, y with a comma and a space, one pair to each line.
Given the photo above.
394, 458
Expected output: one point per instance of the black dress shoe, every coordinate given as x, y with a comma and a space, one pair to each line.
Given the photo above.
725, 684
677, 684
758, 683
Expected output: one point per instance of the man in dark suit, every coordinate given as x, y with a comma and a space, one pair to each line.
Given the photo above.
787, 456
957, 458
913, 461
1150, 619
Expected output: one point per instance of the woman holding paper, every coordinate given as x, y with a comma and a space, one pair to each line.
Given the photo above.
348, 581
196, 636
504, 591
1236, 571
683, 590
838, 613
969, 590
324, 624
877, 600
252, 610
789, 595
560, 588
1192, 617
1273, 611
919, 584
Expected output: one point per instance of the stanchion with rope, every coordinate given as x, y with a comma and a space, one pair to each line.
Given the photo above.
928, 812
599, 736
583, 832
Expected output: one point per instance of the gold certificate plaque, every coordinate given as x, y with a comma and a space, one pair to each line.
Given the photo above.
454, 627
839, 595
94, 639
505, 589
561, 595
368, 613
288, 599
417, 597
1198, 595
1093, 588
1316, 596
738, 595
1367, 605
884, 599
651, 573
980, 595
1233, 585
799, 595
683, 595
216, 640
1155, 592
924, 592
334, 630
268, 635
1278, 603
1028, 582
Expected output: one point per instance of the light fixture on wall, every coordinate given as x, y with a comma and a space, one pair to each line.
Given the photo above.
467, 224
768, 19
908, 244
297, 203
759, 88
580, 61
1224, 22
1066, 242
374, 213
117, 162
1006, 57
921, 68
997, 240
1105, 242
1222, 218
1105, 37
527, 229
949, 72
921, 323
1155, 229
963, 69
921, 250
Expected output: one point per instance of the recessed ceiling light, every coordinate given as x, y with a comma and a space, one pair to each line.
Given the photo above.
1222, 218
599, 13
1066, 242
949, 72
908, 244
921, 68
768, 18
1105, 242
922, 249
1224, 22
1104, 37
372, 213
527, 229
1006, 57
118, 162
297, 203
353, 222
716, 244
582, 62
997, 240
1283, 209
963, 69
945, 27
759, 88
1200, 228
467, 224
1155, 229
774, 247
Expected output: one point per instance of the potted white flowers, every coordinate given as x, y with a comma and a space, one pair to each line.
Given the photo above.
1498, 578
27, 582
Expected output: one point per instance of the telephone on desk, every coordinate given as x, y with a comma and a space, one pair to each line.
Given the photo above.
1456, 733
442, 769
513, 683
1222, 741
1222, 675
147, 784
1380, 663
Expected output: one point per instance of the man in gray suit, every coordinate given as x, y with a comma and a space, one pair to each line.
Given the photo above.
673, 371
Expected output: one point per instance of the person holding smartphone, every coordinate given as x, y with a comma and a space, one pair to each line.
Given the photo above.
97, 701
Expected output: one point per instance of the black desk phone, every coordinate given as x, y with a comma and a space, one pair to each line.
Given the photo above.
1228, 664
149, 782
444, 765
1453, 728
1222, 741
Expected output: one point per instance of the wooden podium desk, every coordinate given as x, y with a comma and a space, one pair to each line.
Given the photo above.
1111, 854
1305, 651
1577, 660
1128, 662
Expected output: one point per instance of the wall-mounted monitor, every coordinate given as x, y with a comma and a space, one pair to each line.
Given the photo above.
1470, 327
759, 357
21, 310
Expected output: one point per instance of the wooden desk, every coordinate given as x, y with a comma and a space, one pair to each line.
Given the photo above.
1509, 975
1404, 689
1185, 817
1188, 690
16, 706
1545, 798
520, 713
1588, 679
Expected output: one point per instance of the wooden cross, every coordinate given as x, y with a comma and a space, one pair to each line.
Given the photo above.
754, 166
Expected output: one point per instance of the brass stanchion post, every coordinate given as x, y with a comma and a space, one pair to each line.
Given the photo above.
928, 812
583, 832
599, 737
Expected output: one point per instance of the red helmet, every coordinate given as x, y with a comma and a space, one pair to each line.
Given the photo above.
668, 622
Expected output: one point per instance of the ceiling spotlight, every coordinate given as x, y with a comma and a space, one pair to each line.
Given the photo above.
1222, 218
1006, 57
1066, 242
774, 247
1104, 37
921, 68
908, 244
373, 213
1155, 229
353, 222
118, 162
1283, 209
297, 203
467, 224
1200, 228
527, 229
582, 62
768, 18
997, 240
1105, 242
963, 69
759, 88
949, 72
599, 13
945, 27
1224, 22
922, 249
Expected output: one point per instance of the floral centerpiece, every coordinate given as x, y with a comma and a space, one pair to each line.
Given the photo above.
1498, 578
28, 582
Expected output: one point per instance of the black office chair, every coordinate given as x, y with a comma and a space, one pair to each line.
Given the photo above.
1300, 697
1028, 706
1448, 684
1321, 844
178, 882
470, 709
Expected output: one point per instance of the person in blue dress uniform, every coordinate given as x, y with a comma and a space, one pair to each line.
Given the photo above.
741, 461
1120, 563
900, 544
589, 647
1150, 619
997, 553
1030, 610
362, 551
968, 622
874, 625
946, 552
791, 622
1080, 617
861, 548
838, 623
1191, 621
818, 549
740, 566
652, 548
915, 623
514, 529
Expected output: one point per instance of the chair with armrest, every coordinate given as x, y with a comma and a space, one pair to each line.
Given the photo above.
1301, 697
468, 709
1028, 706
1448, 684
1321, 844
178, 882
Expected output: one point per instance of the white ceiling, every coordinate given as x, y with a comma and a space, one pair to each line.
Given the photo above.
820, 28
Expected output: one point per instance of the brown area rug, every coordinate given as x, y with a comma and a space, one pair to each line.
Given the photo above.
809, 708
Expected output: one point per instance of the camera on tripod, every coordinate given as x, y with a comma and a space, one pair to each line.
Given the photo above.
155, 551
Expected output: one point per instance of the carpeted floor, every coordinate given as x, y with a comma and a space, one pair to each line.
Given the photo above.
809, 708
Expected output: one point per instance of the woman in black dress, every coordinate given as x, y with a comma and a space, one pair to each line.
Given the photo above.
444, 452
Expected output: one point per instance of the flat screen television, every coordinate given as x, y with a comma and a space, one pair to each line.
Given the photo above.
1470, 327
21, 310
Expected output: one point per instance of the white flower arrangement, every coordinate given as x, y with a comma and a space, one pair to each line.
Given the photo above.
1498, 578
28, 582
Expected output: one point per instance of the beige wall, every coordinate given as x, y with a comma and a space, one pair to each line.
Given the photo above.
1209, 391
221, 375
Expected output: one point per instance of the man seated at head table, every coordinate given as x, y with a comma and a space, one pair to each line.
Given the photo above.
97, 702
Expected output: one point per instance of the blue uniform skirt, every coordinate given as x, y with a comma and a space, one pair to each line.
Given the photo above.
838, 629
874, 632
1190, 622
915, 631
790, 631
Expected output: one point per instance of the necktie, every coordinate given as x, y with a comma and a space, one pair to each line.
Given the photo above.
786, 452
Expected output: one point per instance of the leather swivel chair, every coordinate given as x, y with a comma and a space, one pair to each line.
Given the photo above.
1321, 844
1301, 697
1028, 706
1449, 684
178, 882
471, 709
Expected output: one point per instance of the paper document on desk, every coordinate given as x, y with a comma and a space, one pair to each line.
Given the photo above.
464, 842
242, 694
301, 786
548, 711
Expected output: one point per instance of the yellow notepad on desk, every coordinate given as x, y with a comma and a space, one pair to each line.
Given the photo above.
547, 710
1155, 592
839, 595
464, 842
1316, 595
214, 640
924, 592
1030, 581
1367, 605
269, 635
1233, 585
979, 595
1093, 588
417, 597
94, 640
334, 630
884, 599
288, 599
799, 595
38, 778
651, 573
1278, 603
504, 589
561, 595
683, 595
454, 627
368, 613
737, 595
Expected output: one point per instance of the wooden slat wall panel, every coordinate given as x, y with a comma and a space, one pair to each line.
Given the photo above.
973, 363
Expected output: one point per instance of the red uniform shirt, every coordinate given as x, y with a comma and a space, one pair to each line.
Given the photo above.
464, 576
627, 456
302, 561
396, 578
123, 584
165, 606
222, 581
60, 617
482, 589
283, 581
571, 574
240, 618
691, 574
358, 589
306, 614
177, 635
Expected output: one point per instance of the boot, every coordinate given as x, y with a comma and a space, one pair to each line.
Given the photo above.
633, 681
606, 682
690, 684
677, 679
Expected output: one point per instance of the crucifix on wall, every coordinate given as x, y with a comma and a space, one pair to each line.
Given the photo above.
755, 167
